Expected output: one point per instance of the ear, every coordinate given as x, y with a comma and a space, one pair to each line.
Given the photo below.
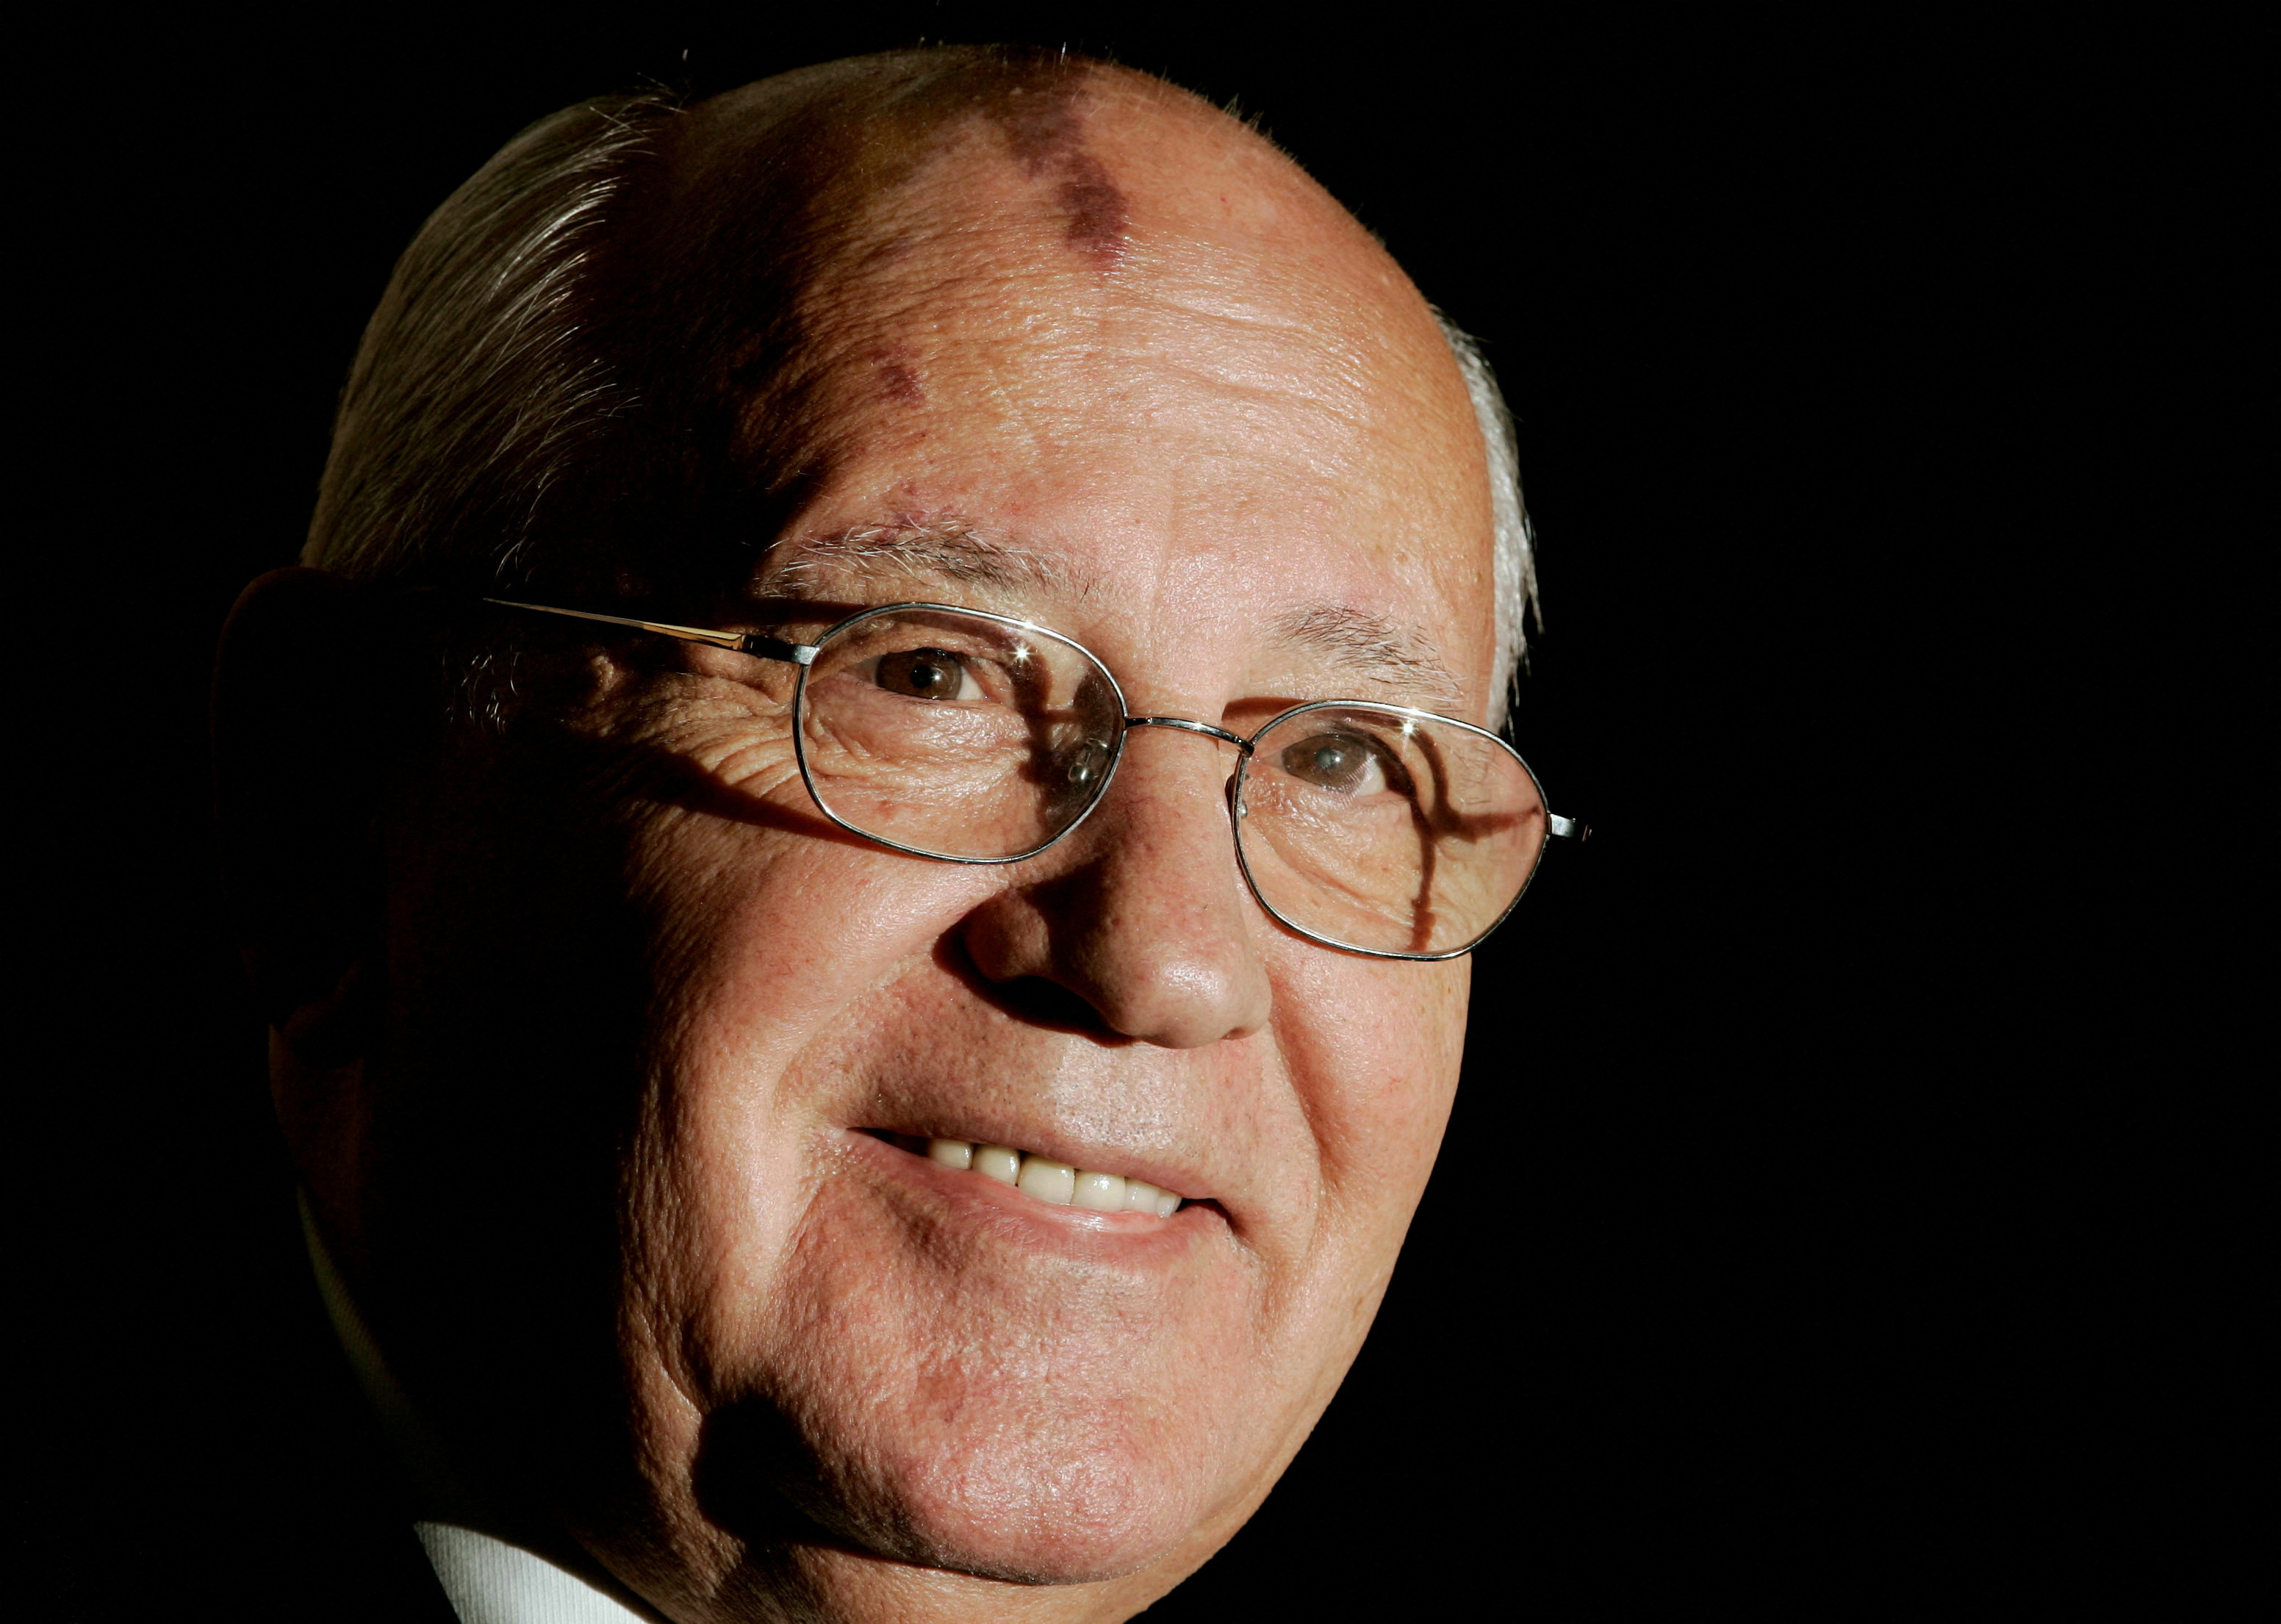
305, 747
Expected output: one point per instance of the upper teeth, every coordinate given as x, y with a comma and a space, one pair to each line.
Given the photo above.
1055, 1181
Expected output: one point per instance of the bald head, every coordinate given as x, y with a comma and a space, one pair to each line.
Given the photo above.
1093, 156
616, 360
837, 239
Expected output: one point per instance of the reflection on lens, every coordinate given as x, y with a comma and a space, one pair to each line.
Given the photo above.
957, 734
1387, 830
1085, 763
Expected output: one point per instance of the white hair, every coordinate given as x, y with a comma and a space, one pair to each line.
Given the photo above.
1516, 537
478, 382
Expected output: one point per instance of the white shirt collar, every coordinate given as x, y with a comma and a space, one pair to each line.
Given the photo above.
489, 1578
492, 1581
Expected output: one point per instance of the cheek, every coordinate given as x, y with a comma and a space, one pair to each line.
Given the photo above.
1373, 1048
760, 937
759, 943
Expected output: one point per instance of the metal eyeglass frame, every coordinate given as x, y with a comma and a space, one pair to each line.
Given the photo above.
803, 655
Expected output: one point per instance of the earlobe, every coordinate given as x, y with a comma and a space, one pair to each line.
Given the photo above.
302, 763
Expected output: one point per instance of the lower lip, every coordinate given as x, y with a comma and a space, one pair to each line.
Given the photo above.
977, 1197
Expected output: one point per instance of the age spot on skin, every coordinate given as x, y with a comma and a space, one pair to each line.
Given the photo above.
898, 377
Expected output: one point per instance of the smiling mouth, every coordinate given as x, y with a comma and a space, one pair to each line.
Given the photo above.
1041, 1177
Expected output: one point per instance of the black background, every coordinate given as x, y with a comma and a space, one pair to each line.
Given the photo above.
1794, 1250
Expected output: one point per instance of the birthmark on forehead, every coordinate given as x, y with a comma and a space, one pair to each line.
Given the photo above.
1096, 213
1043, 121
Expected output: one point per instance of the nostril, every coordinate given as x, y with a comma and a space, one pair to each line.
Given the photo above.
1049, 1003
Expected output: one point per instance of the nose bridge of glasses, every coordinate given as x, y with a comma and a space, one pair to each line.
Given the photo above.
1187, 726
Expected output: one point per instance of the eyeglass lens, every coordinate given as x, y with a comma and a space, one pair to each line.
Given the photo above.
1375, 828
956, 735
959, 736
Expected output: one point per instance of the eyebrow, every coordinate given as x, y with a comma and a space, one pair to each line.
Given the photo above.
1371, 647
942, 550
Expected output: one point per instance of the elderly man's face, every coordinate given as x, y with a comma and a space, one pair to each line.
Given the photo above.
1181, 409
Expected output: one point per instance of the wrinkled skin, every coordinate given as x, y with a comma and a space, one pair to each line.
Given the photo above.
593, 1148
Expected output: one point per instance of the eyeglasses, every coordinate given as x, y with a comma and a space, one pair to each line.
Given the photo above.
974, 738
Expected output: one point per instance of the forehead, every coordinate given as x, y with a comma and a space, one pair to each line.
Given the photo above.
1116, 328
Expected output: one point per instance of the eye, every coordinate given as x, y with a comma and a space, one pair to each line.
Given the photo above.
926, 674
1337, 761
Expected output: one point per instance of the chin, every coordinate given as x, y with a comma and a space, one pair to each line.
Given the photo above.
1089, 1506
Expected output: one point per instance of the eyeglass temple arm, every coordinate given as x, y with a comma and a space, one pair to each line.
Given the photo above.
1567, 828
740, 642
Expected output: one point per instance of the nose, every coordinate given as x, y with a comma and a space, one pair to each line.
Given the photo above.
1142, 912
